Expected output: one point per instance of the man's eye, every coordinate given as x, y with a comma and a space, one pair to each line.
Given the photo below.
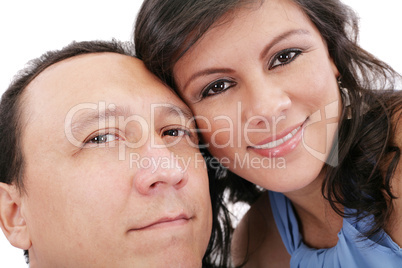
284, 57
217, 87
103, 138
175, 132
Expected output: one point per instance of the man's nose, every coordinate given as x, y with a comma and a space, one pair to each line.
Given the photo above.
158, 169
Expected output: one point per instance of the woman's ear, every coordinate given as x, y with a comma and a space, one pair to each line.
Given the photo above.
12, 221
334, 68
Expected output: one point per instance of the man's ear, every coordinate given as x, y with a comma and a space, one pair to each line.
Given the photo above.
12, 221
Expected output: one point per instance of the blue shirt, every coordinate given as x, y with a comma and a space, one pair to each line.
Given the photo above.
352, 250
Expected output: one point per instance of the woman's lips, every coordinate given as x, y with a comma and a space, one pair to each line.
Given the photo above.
276, 143
284, 143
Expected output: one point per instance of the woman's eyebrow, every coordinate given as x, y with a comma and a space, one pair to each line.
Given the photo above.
281, 37
266, 49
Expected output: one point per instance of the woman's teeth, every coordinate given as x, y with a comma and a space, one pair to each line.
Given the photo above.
278, 142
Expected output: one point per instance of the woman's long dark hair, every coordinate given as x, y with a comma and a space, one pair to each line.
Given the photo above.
366, 155
218, 251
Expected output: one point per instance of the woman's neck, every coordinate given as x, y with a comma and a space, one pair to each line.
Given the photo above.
319, 223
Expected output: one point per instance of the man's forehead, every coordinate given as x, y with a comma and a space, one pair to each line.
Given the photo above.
70, 82
75, 76
98, 77
95, 63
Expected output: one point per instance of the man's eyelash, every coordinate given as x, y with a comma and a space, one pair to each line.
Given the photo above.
176, 132
102, 138
98, 138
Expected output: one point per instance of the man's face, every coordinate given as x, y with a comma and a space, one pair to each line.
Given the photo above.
112, 176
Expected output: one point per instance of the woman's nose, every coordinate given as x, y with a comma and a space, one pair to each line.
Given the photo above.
264, 103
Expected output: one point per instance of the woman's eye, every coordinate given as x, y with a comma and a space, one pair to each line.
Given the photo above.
217, 87
103, 138
284, 57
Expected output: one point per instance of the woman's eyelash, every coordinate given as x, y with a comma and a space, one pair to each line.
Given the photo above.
284, 57
217, 87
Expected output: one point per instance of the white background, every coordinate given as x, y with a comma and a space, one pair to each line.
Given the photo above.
29, 28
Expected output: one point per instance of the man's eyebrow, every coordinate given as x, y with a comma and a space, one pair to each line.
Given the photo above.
281, 37
173, 110
95, 116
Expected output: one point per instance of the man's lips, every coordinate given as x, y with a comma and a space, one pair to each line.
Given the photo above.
164, 222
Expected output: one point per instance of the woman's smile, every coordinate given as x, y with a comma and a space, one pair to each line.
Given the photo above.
276, 68
285, 143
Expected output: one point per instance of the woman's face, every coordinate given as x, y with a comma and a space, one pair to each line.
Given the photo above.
263, 88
